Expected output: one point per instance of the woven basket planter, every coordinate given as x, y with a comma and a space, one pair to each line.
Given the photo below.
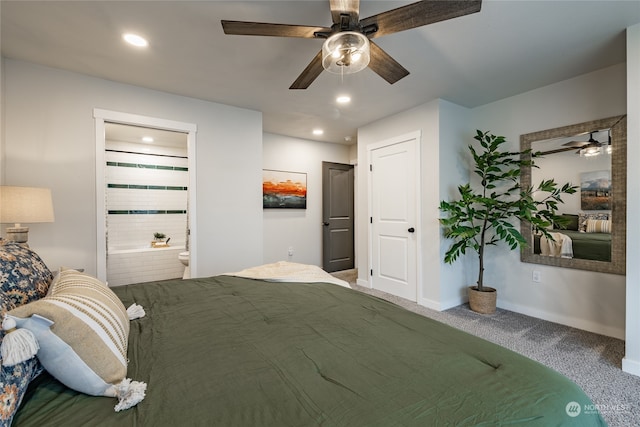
483, 302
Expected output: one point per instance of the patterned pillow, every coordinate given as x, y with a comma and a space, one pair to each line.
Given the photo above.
13, 385
23, 278
82, 329
598, 226
14, 379
583, 217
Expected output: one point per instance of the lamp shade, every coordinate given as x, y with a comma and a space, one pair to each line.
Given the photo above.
25, 205
346, 52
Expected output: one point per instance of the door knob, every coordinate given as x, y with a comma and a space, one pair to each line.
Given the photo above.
411, 230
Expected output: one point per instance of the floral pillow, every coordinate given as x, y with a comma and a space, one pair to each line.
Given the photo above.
23, 278
14, 381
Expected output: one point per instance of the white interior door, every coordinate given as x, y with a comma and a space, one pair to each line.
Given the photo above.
394, 216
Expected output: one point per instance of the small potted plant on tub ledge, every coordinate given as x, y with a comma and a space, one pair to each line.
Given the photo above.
159, 240
484, 216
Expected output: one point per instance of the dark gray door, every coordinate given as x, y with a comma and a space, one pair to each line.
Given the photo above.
337, 217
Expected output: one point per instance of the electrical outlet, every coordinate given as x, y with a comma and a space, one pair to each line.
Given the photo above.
535, 276
290, 252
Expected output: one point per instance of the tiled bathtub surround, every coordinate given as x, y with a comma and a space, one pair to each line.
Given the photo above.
137, 265
146, 193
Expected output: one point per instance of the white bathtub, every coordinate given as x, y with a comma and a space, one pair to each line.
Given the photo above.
142, 263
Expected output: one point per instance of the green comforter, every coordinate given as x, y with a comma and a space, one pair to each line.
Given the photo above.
228, 351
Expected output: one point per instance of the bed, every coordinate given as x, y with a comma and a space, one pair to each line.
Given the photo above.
591, 246
590, 235
239, 351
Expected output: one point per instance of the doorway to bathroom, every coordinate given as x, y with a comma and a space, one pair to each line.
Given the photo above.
145, 198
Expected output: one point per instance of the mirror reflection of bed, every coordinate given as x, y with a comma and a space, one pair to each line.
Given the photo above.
592, 232
586, 231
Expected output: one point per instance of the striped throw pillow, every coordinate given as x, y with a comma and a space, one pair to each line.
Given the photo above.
598, 226
82, 329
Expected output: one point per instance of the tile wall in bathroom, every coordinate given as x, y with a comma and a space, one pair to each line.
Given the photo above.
146, 193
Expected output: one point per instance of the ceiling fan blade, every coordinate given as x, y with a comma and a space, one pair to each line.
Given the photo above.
276, 30
418, 14
558, 150
575, 144
341, 8
309, 74
384, 65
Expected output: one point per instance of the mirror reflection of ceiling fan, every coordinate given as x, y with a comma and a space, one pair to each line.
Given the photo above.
348, 47
590, 148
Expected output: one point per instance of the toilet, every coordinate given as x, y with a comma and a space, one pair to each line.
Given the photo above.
184, 259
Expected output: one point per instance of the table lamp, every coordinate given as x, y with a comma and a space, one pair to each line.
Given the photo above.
24, 205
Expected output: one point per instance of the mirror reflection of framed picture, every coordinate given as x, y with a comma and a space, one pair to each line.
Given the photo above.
595, 190
284, 190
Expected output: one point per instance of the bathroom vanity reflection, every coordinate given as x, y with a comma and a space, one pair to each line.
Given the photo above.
591, 155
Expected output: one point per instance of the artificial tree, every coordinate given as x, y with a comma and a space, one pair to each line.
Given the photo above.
483, 216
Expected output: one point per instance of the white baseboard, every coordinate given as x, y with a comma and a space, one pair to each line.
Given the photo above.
363, 282
433, 305
441, 306
631, 366
585, 325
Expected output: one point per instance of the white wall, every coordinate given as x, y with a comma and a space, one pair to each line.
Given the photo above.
587, 300
442, 126
300, 229
569, 167
454, 162
1, 120
50, 141
631, 362
424, 119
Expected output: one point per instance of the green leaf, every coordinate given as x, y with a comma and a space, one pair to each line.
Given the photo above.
483, 217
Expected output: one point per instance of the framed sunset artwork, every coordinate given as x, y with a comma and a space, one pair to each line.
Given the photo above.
284, 190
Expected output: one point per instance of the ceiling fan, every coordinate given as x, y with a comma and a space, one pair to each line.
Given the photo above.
589, 148
348, 47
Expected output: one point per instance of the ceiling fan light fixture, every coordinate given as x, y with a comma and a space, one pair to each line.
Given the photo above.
346, 52
590, 151
594, 148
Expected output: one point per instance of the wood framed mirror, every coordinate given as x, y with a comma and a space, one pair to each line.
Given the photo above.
610, 136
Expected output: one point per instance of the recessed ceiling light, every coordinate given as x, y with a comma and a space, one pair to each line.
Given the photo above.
135, 40
343, 99
147, 139
318, 131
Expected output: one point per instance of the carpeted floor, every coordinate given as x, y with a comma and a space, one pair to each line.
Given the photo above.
590, 360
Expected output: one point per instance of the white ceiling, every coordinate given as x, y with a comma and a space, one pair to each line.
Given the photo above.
509, 47
135, 135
